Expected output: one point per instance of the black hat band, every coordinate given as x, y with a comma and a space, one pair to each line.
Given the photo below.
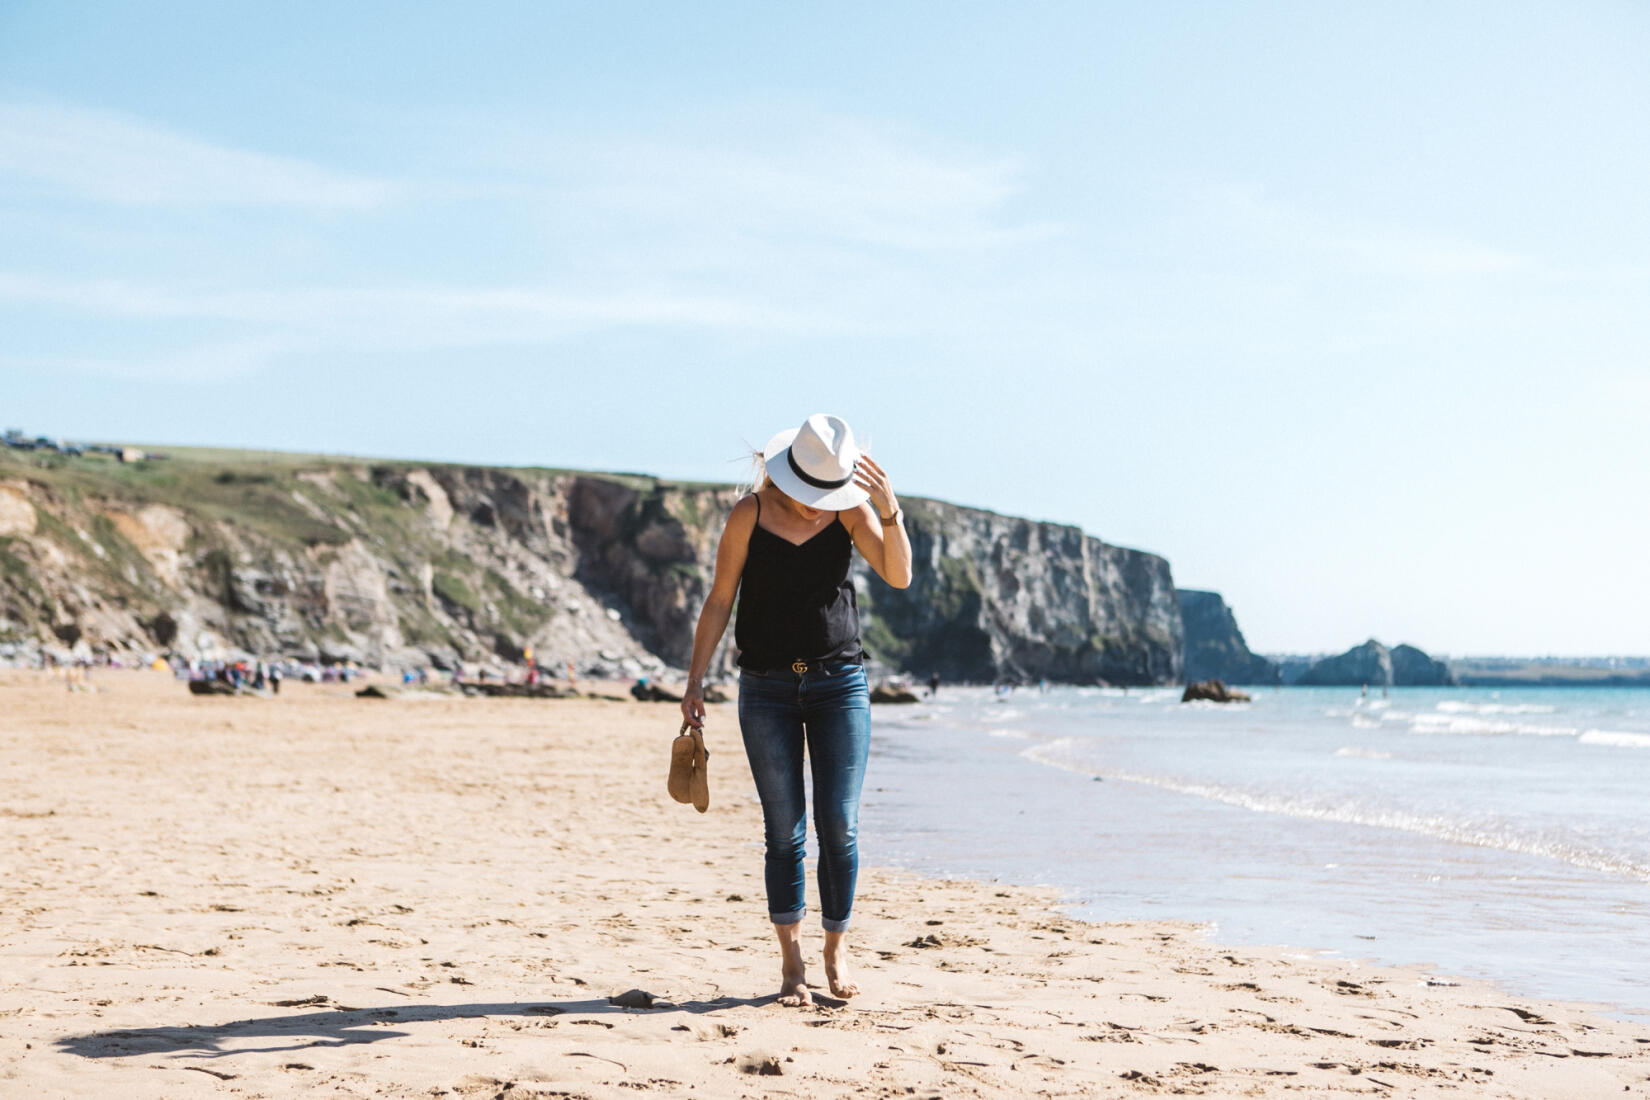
817, 483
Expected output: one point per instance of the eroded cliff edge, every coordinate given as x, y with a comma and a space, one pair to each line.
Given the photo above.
1215, 647
400, 563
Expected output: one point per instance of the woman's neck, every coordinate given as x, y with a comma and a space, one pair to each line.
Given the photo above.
794, 508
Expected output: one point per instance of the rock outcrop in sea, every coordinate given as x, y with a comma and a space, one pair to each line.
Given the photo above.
400, 564
1412, 667
1374, 664
1212, 691
1215, 649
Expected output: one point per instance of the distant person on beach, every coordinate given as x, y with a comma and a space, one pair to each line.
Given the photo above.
785, 553
933, 684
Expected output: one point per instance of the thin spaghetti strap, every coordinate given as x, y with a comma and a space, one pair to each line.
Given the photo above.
758, 497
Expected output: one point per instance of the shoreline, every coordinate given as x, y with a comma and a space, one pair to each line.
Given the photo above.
436, 896
1262, 859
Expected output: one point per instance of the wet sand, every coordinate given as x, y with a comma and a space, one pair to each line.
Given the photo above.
437, 896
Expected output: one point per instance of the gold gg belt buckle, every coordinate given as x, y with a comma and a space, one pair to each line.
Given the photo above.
799, 667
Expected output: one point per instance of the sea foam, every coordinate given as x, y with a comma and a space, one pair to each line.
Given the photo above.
1059, 754
1451, 706
1475, 725
1616, 738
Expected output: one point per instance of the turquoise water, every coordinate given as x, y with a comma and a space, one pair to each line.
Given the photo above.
1497, 833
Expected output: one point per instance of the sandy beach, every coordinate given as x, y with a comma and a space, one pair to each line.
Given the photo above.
438, 896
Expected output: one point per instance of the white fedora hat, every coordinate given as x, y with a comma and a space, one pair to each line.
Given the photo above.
814, 464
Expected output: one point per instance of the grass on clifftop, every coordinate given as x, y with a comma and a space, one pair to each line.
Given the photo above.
251, 489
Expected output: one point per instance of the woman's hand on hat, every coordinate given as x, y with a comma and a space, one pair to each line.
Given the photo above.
874, 480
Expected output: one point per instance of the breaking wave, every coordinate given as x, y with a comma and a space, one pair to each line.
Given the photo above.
1057, 754
1616, 738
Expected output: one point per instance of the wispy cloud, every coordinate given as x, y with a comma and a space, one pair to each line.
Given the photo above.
824, 180
784, 224
213, 361
398, 317
108, 157
1384, 248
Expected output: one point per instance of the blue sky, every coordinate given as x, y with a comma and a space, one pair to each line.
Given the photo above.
1345, 309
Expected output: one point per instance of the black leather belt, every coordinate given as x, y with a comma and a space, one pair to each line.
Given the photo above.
798, 668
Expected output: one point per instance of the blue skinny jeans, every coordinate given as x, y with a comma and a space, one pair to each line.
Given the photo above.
828, 709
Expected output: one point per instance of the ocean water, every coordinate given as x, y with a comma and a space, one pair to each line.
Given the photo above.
1502, 834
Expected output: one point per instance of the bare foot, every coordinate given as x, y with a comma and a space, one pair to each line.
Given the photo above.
793, 989
836, 965
793, 983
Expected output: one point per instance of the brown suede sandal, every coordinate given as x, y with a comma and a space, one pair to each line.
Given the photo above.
699, 786
682, 751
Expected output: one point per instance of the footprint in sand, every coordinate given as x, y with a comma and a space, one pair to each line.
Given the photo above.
1529, 1017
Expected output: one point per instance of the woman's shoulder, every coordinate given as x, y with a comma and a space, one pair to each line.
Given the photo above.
850, 518
744, 511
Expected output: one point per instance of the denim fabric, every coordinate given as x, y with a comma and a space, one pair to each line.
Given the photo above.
829, 710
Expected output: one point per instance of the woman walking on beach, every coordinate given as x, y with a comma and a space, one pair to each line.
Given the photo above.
785, 553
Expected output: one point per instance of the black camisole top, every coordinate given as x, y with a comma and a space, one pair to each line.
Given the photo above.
796, 602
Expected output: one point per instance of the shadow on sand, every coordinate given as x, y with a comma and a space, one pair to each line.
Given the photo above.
342, 1026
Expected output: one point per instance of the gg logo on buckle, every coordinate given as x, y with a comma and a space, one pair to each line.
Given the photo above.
799, 667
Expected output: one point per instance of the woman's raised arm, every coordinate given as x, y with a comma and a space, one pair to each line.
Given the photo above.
878, 526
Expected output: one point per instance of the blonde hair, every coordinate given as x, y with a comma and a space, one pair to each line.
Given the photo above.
756, 477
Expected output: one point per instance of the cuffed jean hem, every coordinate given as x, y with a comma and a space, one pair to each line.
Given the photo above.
834, 925
793, 917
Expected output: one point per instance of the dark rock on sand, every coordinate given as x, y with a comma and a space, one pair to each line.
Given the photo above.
632, 998
653, 693
539, 690
761, 1063
217, 687
883, 693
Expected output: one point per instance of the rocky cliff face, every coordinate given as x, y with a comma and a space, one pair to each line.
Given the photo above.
1215, 649
383, 564
997, 596
401, 564
1372, 663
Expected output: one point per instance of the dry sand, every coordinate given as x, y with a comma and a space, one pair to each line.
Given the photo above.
437, 896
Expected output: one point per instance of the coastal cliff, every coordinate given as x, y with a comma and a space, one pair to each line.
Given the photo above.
1215, 648
1001, 597
399, 564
